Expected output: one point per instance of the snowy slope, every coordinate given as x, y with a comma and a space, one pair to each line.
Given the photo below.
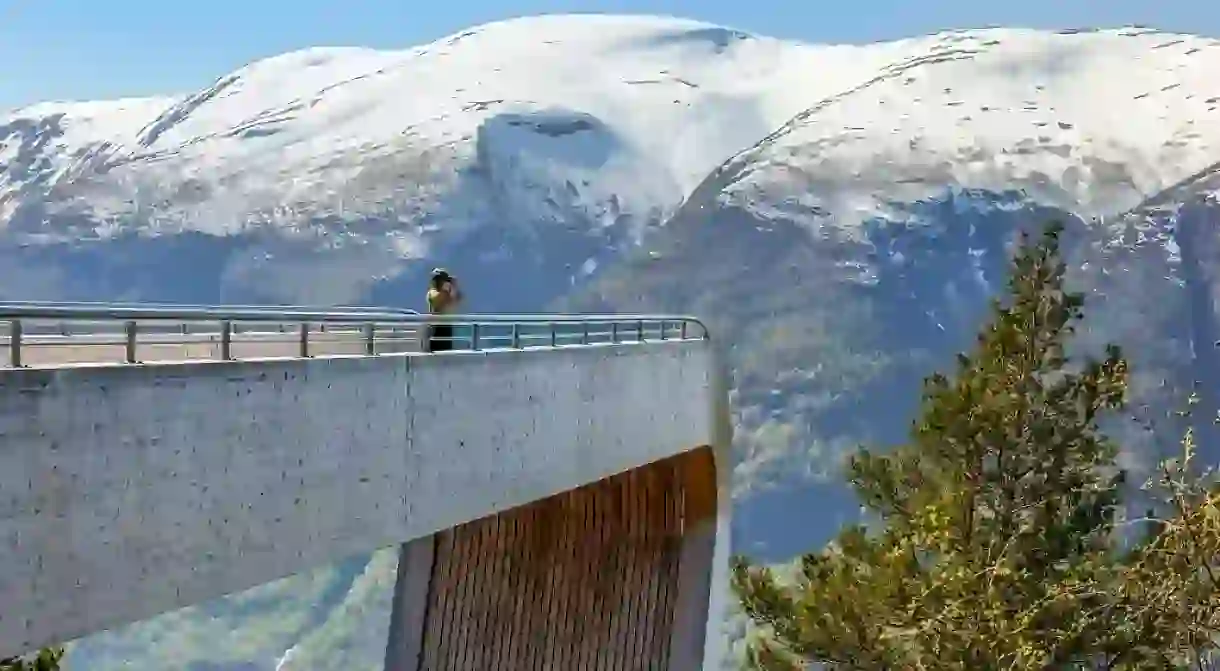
606, 115
1092, 122
568, 137
629, 113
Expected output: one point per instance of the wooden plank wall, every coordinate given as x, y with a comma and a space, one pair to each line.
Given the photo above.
583, 580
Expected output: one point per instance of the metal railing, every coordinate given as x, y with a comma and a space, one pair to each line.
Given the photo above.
38, 334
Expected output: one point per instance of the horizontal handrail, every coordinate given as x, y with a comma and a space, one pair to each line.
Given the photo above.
131, 327
151, 312
20, 305
272, 313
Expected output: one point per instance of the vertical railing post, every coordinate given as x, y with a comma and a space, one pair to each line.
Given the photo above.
639, 331
584, 336
303, 340
516, 336
129, 331
370, 332
613, 332
14, 343
553, 328
663, 334
682, 331
226, 340
474, 337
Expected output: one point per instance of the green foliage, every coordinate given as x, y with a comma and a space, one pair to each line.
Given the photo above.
46, 659
995, 539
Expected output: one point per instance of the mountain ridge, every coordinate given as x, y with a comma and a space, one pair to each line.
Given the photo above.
221, 115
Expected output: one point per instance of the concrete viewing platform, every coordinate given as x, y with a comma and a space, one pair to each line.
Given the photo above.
574, 468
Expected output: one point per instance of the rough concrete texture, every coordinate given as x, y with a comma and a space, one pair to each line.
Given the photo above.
128, 491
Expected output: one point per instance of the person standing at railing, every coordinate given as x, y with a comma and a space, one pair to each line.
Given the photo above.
444, 298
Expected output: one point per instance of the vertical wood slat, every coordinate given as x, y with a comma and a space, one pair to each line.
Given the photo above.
460, 608
670, 548
665, 492
648, 586
479, 578
446, 597
655, 529
496, 589
484, 567
607, 580
511, 613
593, 547
460, 601
500, 619
586, 579
635, 533
555, 640
549, 552
590, 620
570, 586
577, 603
612, 660
435, 630
464, 589
671, 562
521, 649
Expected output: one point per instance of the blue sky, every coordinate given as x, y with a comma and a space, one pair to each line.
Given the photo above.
82, 49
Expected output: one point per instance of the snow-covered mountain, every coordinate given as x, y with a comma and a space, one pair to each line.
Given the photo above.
553, 143
590, 127
549, 112
1092, 122
842, 213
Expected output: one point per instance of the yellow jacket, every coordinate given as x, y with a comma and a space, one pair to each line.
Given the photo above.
442, 302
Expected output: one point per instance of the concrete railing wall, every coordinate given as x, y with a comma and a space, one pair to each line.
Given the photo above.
129, 491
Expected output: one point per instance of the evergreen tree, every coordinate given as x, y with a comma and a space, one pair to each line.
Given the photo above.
47, 659
995, 538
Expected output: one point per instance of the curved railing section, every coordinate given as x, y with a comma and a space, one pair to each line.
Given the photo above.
47, 334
